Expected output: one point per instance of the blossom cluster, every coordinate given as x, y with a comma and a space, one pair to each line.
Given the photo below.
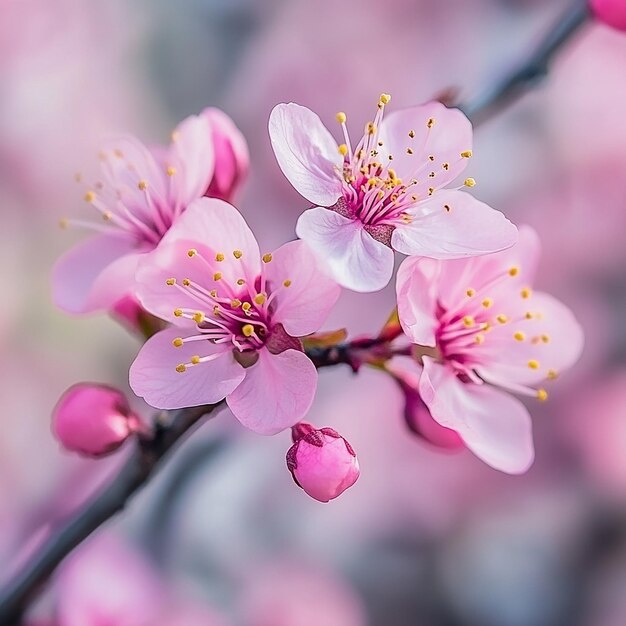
237, 323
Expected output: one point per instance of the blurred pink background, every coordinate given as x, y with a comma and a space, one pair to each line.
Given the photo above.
424, 537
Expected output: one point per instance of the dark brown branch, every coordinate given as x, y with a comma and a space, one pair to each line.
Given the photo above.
532, 69
145, 459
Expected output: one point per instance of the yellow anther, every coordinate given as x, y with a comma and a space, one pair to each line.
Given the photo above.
409, 150
411, 134
90, 196
241, 281
267, 258
479, 339
385, 98
545, 338
466, 154
198, 317
470, 292
502, 319
107, 216
246, 306
216, 310
341, 117
219, 257
528, 315
260, 298
286, 283
217, 276
195, 359
487, 302
392, 174
237, 254
213, 293
431, 191
142, 185
170, 171
370, 128
64, 222
192, 252
178, 312
247, 330
182, 368
186, 282
178, 342
470, 182
235, 303
542, 395
552, 374
431, 122
372, 182
526, 292
170, 281
519, 336
533, 364
343, 149
514, 271
468, 321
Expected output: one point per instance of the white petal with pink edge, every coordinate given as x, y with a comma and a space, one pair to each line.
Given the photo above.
356, 260
306, 153
452, 225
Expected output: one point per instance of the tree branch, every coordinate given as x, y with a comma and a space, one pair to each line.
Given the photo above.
139, 468
534, 68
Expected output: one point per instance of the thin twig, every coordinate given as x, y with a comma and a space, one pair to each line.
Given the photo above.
532, 69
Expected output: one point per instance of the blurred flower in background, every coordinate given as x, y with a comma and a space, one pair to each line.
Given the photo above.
423, 536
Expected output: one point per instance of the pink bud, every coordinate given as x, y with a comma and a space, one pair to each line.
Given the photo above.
611, 12
93, 420
322, 462
231, 155
418, 417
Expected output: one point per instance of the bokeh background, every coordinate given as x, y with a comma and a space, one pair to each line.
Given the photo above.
226, 538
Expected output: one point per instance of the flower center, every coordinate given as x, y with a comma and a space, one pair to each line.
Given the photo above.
237, 312
128, 204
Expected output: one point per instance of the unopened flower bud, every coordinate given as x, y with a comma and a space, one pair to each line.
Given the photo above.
93, 420
418, 417
231, 156
611, 12
322, 462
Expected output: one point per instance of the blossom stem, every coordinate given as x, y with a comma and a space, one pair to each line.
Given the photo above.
531, 70
145, 459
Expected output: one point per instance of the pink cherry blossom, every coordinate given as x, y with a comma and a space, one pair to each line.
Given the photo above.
141, 194
93, 419
484, 328
322, 462
237, 318
388, 192
611, 12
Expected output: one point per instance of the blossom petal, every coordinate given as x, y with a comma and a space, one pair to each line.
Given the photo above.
553, 341
191, 153
416, 284
277, 392
306, 153
95, 274
356, 260
458, 275
153, 374
303, 306
437, 147
452, 225
495, 426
